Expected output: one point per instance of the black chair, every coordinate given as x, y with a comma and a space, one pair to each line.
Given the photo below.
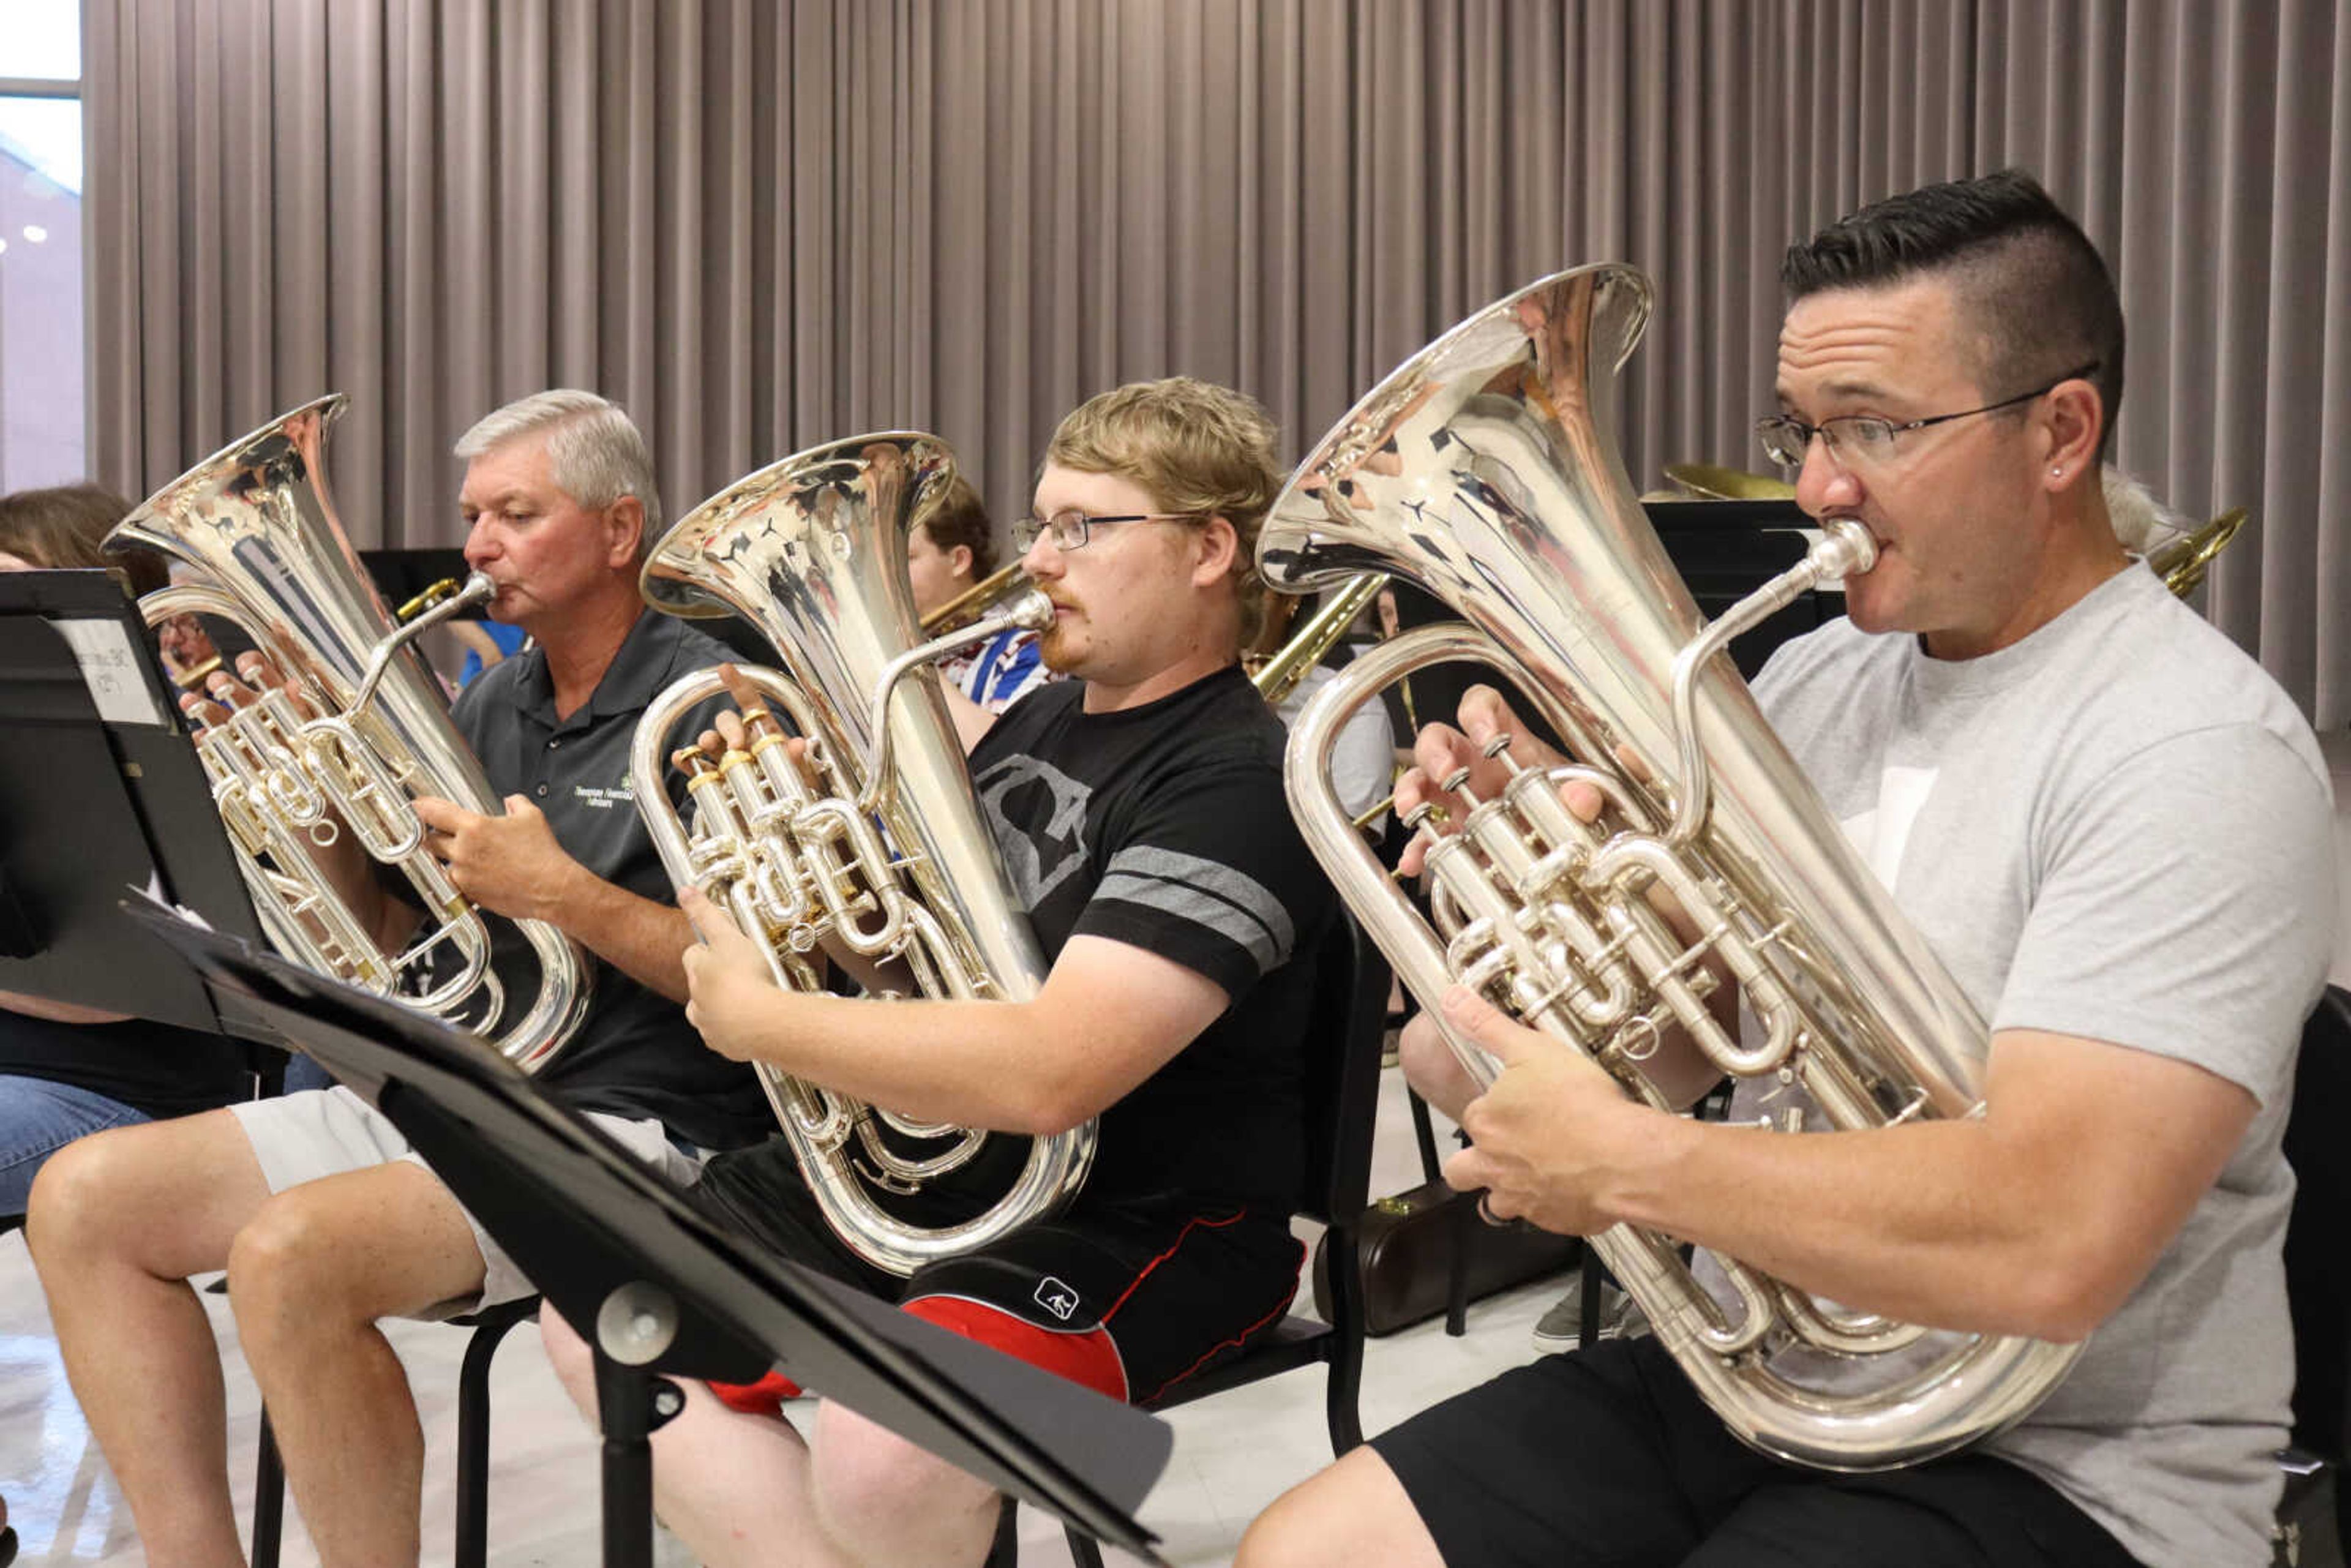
2318, 1286
1342, 1086
490, 1326
9, 1222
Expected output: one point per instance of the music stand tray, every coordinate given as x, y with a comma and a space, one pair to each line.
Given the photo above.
660, 1289
100, 789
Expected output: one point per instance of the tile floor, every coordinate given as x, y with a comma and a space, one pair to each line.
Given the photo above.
1233, 1453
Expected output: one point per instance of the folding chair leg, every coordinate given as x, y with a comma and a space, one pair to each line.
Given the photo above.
1465, 1226
269, 1497
1083, 1553
1344, 1354
474, 1443
1004, 1552
1423, 1136
1587, 1284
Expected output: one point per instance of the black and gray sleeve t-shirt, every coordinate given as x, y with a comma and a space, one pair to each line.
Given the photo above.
1165, 827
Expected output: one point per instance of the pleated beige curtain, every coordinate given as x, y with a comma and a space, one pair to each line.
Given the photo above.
760, 224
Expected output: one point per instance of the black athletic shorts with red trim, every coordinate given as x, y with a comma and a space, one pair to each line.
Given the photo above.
1128, 1296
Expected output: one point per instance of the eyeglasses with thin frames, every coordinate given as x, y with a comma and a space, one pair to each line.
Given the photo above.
1071, 528
1865, 441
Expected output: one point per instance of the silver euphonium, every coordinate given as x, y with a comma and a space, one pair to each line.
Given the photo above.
1485, 470
878, 847
254, 528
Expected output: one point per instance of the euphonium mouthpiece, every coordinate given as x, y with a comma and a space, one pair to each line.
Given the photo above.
1845, 548
1031, 610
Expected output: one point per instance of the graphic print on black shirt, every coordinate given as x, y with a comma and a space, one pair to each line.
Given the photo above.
1163, 827
1050, 847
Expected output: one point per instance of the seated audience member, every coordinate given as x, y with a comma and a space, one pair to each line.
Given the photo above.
311, 1202
1139, 808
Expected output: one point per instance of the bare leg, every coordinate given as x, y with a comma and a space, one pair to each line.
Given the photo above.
117, 1223
1355, 1512
308, 1277
893, 1504
733, 1486
743, 1490
1432, 1068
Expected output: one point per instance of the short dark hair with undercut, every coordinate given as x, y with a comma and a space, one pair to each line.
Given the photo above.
2031, 285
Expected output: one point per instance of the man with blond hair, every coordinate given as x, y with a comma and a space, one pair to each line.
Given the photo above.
312, 1202
1138, 807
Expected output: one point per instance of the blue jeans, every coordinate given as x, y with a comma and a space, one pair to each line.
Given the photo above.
302, 1072
37, 1118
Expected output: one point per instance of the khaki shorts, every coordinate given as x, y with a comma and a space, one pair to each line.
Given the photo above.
321, 1132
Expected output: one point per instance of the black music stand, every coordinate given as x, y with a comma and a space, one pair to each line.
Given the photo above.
657, 1288
100, 790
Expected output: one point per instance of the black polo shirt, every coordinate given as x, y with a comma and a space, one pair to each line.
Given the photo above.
635, 1055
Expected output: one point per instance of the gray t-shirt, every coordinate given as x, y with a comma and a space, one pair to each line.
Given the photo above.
2118, 829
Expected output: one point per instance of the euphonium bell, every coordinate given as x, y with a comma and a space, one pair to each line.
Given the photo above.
1485, 471
885, 852
255, 528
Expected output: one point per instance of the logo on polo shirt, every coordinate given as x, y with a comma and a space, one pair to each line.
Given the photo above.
605, 796
1057, 1298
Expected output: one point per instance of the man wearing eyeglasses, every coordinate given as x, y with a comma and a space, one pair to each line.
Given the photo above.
2112, 827
1138, 807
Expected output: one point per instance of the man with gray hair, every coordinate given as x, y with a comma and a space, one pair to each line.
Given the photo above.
324, 1218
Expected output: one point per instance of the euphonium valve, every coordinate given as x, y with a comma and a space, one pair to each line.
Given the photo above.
1483, 470
870, 841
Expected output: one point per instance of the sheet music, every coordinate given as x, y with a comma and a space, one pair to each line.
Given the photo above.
110, 667
152, 894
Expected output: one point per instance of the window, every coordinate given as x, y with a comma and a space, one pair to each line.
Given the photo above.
42, 353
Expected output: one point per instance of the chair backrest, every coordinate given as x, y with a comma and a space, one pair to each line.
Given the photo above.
2317, 1265
1342, 1070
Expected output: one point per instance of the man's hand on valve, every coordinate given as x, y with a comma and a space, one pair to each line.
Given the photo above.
1547, 1139
729, 988
1446, 760
731, 728
224, 693
509, 864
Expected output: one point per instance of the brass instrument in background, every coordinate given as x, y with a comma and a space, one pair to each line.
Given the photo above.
255, 528
1005, 582
887, 854
1485, 471
2182, 562
1712, 482
1276, 674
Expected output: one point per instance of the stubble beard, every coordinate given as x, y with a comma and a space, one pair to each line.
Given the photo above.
1053, 648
